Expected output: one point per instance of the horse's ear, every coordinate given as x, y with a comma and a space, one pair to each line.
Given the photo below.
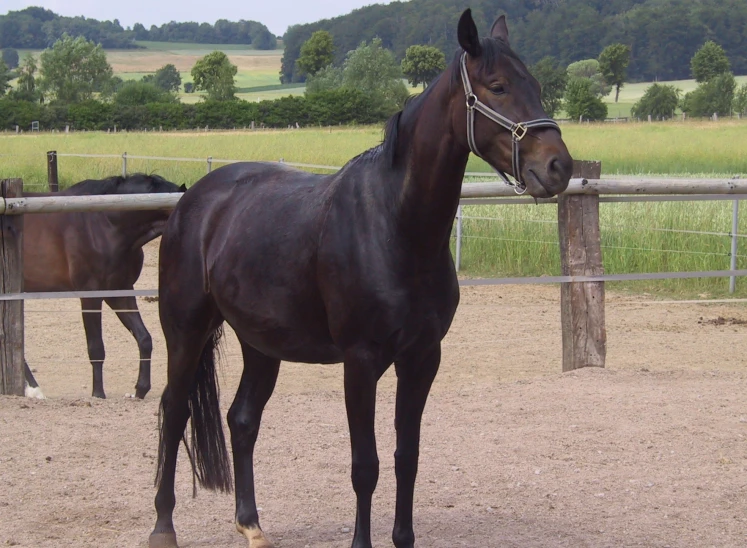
183, 188
500, 29
467, 34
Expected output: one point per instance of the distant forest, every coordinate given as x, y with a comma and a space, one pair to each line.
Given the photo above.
38, 28
663, 34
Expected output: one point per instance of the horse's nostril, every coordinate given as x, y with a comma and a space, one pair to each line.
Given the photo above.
557, 168
554, 166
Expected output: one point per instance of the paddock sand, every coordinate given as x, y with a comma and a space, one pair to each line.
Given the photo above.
651, 451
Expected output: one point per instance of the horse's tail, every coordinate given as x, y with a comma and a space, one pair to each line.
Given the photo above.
207, 449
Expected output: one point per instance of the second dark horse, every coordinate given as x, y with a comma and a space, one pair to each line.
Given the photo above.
95, 251
353, 267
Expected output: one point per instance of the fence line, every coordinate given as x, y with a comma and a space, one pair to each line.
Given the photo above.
582, 293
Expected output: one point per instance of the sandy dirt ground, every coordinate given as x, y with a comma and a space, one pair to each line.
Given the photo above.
651, 451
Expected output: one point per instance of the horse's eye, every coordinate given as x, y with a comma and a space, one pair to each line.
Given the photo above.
497, 89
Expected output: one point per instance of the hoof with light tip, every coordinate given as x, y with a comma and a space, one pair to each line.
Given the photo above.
255, 536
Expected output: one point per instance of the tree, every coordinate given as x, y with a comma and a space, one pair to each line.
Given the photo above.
589, 69
582, 103
613, 65
708, 62
714, 96
4, 77
189, 87
659, 101
372, 69
214, 74
133, 93
26, 83
10, 56
316, 53
328, 78
168, 78
740, 100
73, 69
422, 64
553, 81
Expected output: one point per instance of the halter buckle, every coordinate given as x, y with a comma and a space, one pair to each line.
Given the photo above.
471, 101
519, 131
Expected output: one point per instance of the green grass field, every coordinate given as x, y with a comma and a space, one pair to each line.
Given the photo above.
515, 240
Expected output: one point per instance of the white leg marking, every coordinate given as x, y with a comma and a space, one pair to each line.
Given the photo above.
34, 392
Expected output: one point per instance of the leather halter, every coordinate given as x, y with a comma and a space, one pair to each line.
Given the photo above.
518, 130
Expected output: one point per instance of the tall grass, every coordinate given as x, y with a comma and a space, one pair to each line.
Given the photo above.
516, 240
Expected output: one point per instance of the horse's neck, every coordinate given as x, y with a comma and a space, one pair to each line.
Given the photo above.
134, 229
433, 181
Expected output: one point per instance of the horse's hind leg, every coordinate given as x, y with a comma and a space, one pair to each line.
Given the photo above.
134, 324
255, 389
186, 351
414, 378
92, 325
32, 389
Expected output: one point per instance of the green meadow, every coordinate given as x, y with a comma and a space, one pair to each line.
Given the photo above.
505, 240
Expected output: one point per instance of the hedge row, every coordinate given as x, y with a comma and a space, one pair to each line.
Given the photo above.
340, 106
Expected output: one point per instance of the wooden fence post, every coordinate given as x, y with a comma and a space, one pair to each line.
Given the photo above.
52, 171
582, 303
11, 281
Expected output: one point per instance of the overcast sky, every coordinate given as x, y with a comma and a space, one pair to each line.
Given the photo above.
278, 15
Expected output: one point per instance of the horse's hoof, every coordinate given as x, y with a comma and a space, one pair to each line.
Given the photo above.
162, 540
34, 392
100, 395
255, 536
141, 392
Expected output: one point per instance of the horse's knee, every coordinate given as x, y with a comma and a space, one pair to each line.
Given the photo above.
96, 351
365, 474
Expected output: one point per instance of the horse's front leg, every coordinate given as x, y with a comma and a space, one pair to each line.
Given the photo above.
363, 368
91, 309
415, 375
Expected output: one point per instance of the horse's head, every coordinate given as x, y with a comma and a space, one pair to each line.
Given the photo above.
506, 124
154, 183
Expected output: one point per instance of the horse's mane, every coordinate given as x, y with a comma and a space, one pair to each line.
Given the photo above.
137, 183
405, 118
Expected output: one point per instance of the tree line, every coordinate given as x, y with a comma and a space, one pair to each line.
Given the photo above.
579, 88
38, 28
72, 84
662, 35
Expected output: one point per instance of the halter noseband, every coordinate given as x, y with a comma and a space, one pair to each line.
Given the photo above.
518, 130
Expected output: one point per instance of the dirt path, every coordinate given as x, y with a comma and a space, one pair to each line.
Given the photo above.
651, 451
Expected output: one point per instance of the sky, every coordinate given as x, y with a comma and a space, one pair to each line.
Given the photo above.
278, 15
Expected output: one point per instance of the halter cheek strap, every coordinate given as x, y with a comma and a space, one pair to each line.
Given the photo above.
518, 130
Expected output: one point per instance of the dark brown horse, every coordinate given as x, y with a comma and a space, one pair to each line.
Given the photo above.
96, 251
353, 267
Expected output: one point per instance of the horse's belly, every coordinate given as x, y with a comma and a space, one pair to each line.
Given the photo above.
289, 345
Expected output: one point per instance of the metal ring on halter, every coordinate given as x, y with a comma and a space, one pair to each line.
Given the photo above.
518, 130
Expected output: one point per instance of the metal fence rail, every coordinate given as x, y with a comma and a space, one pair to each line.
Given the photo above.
582, 294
